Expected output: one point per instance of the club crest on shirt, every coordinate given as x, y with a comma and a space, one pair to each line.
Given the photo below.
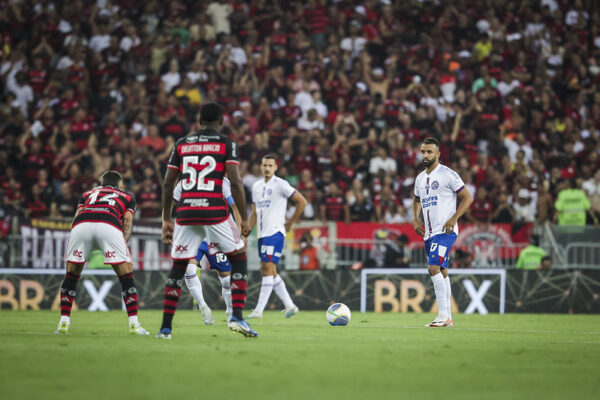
269, 192
435, 185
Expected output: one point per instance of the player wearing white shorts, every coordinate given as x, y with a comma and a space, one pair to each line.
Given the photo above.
269, 197
435, 193
200, 160
210, 258
103, 221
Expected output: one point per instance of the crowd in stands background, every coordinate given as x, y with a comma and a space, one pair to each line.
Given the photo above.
343, 91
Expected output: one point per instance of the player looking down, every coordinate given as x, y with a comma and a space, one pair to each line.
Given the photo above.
269, 198
103, 221
200, 159
435, 193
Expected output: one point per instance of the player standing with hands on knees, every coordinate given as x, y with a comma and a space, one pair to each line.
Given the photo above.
103, 221
200, 160
270, 196
435, 193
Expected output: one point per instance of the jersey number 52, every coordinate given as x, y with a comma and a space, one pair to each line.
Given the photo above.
195, 178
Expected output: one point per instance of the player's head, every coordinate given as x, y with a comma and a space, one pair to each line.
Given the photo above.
112, 178
211, 114
430, 151
268, 165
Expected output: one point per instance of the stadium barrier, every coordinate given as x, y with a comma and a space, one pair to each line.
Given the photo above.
479, 291
40, 243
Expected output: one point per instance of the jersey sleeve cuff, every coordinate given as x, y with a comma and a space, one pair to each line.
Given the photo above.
232, 162
173, 167
292, 195
459, 189
130, 210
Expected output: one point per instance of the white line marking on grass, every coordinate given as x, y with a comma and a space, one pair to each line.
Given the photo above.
363, 325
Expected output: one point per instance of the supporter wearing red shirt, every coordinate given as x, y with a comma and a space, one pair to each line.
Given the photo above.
481, 209
334, 207
81, 129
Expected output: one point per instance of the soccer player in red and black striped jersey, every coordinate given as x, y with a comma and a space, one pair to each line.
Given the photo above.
200, 160
103, 221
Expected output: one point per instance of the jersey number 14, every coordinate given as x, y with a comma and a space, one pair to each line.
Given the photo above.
195, 178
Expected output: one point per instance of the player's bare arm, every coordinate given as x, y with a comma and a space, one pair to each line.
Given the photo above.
417, 224
300, 202
237, 191
170, 181
127, 225
252, 220
465, 202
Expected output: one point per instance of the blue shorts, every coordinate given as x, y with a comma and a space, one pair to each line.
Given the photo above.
269, 248
216, 260
438, 248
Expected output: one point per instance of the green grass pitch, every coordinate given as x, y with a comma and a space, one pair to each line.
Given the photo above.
378, 356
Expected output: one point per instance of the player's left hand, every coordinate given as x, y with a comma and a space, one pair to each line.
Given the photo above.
449, 226
167, 232
288, 226
245, 229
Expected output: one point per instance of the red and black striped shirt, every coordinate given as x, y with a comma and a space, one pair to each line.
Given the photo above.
107, 204
201, 158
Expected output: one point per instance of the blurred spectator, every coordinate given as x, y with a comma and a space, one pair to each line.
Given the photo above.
462, 259
333, 206
482, 208
571, 204
524, 207
309, 259
504, 212
65, 204
361, 210
396, 253
546, 263
531, 256
382, 161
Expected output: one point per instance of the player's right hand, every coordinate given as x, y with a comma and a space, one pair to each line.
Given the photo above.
419, 228
245, 229
167, 232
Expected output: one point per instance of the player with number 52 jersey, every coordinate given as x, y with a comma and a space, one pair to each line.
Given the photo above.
200, 161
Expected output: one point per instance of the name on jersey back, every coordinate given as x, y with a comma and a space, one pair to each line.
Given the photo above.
203, 148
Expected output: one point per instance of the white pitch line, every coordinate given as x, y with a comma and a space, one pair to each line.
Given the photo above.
367, 325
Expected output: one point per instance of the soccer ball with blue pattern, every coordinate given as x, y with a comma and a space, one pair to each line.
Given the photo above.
338, 314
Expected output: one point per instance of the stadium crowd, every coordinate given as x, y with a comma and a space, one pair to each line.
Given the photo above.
343, 91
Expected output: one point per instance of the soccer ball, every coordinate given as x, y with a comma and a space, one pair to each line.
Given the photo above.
338, 314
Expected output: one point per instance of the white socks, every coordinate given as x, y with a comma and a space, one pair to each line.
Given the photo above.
449, 295
134, 320
65, 318
281, 291
226, 291
265, 292
193, 284
439, 285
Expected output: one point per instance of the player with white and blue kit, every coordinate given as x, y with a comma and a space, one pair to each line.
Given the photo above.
435, 193
270, 196
208, 254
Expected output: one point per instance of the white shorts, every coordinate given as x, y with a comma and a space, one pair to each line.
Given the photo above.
188, 238
88, 236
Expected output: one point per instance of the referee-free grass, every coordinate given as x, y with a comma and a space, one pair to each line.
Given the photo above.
378, 356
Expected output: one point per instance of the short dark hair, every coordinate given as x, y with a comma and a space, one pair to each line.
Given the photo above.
432, 140
211, 112
271, 156
112, 178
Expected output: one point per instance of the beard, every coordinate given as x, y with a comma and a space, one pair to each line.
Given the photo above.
428, 163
